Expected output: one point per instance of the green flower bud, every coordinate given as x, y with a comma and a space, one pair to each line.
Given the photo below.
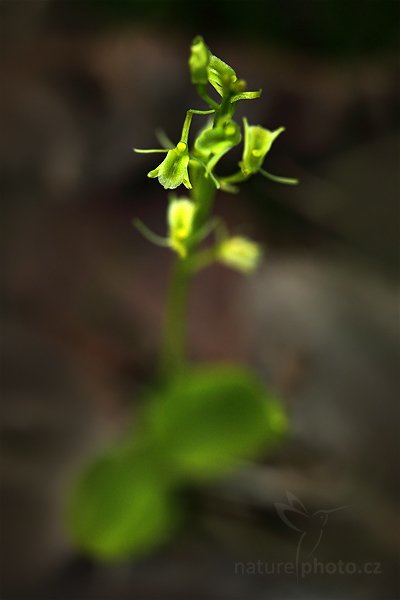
257, 143
239, 253
180, 223
198, 61
239, 86
174, 168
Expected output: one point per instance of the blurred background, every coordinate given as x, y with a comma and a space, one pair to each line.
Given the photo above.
82, 309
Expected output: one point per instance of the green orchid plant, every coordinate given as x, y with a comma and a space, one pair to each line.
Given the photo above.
197, 422
195, 167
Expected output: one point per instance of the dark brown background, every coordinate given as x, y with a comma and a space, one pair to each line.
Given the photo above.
83, 82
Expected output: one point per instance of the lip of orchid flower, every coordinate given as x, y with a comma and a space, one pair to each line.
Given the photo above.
173, 171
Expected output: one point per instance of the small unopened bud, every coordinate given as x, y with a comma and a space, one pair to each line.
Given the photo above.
239, 86
198, 61
180, 223
240, 253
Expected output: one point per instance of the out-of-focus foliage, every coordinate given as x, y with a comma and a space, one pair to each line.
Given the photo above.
198, 426
120, 505
212, 418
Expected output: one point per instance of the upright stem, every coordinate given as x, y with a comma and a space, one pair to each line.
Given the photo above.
174, 345
175, 326
203, 194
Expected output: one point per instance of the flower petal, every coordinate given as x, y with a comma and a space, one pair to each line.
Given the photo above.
257, 143
217, 140
173, 171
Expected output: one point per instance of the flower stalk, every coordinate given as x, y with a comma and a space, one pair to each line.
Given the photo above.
193, 165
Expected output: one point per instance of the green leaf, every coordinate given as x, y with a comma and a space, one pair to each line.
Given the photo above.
121, 506
212, 418
198, 426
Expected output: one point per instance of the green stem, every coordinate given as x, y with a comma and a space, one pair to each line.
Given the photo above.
175, 326
235, 178
202, 91
174, 347
188, 121
203, 194
204, 259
